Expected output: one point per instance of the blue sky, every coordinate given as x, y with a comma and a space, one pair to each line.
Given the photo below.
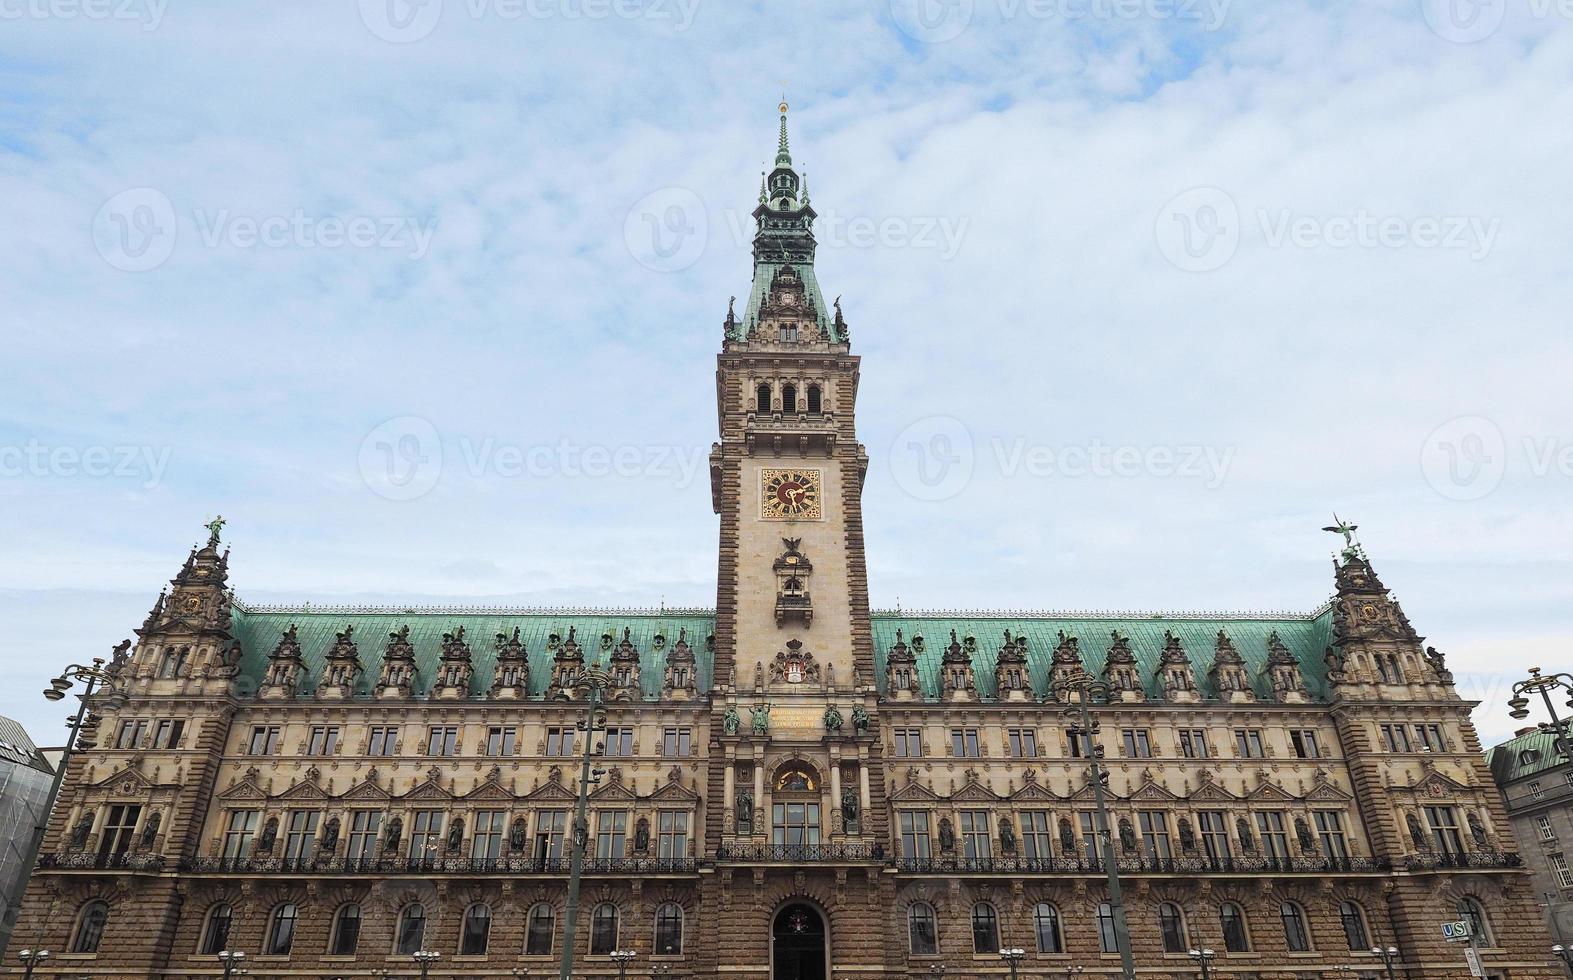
1144, 290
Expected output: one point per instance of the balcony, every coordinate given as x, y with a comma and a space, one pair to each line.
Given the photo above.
88, 861
1487, 860
1142, 865
511, 865
800, 853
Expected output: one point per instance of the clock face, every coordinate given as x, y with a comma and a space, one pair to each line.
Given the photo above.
790, 495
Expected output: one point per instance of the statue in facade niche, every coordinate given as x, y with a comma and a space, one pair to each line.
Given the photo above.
833, 720
745, 812
849, 807
1477, 830
642, 836
516, 836
730, 721
859, 719
150, 829
270, 834
947, 835
1007, 836
330, 835
1302, 833
759, 716
455, 835
80, 832
1415, 833
395, 832
1127, 837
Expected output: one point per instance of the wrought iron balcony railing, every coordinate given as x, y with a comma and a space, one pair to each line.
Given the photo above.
512, 864
87, 860
1473, 859
1132, 864
782, 853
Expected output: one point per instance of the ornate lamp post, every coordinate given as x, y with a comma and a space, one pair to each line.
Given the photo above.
231, 959
110, 697
1204, 959
621, 957
594, 680
1561, 952
1013, 956
31, 958
1083, 692
425, 957
1543, 686
1389, 955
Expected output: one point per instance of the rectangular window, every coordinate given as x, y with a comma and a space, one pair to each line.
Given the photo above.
167, 735
1559, 867
1430, 737
264, 740
915, 843
1037, 840
1076, 743
611, 835
1213, 826
550, 828
1330, 829
1155, 834
1023, 743
909, 743
1536, 791
1396, 738
442, 740
239, 833
382, 741
130, 734
975, 835
1137, 743
964, 743
676, 742
1543, 824
559, 741
794, 824
1089, 837
501, 741
364, 826
619, 742
300, 836
672, 839
1275, 839
1444, 830
1248, 743
1193, 743
118, 830
425, 834
324, 740
1305, 743
486, 840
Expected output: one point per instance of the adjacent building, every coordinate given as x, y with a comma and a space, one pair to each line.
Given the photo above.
789, 782
1537, 783
25, 778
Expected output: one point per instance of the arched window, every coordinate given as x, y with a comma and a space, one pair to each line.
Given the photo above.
603, 929
789, 399
922, 933
1235, 939
1046, 923
1172, 925
90, 924
1106, 941
281, 930
538, 932
669, 929
985, 929
1472, 911
476, 930
1295, 933
346, 931
1355, 933
814, 406
412, 929
762, 399
215, 932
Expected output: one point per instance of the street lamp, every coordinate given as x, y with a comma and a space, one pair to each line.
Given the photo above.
621, 958
425, 957
1543, 686
519, 972
1204, 959
31, 958
1561, 952
594, 680
1389, 955
111, 698
937, 970
660, 971
231, 958
1083, 691
1013, 956
1072, 972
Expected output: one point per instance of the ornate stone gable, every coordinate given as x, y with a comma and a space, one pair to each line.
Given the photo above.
285, 665
1228, 674
342, 668
623, 682
397, 676
1012, 678
956, 680
454, 668
901, 672
1175, 675
511, 675
1120, 671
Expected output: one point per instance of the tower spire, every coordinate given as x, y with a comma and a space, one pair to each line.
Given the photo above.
783, 151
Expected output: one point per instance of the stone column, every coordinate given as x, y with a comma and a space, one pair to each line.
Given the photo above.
835, 795
729, 818
759, 798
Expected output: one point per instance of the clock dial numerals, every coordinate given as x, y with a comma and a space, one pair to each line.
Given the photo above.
791, 495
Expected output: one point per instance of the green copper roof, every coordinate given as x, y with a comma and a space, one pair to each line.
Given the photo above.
259, 629
1307, 636
764, 273
1522, 757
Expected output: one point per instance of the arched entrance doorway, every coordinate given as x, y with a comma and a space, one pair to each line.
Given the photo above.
798, 946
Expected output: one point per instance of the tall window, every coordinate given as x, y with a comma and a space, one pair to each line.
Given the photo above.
550, 828
1535, 790
382, 741
1037, 840
1193, 743
167, 735
501, 741
1106, 941
364, 826
1330, 829
1214, 828
794, 824
669, 929
1155, 834
1444, 830
215, 932
131, 734
300, 836
281, 930
324, 740
1138, 744
909, 743
1353, 921
442, 740
1046, 924
1475, 915
611, 835
762, 399
238, 835
1248, 743
1270, 828
1543, 825
412, 929
672, 835
676, 742
1089, 837
559, 741
1396, 738
964, 743
922, 932
789, 398
264, 740
90, 923
425, 834
119, 828
603, 929
475, 931
1023, 743
915, 844
985, 929
1295, 933
1559, 868
619, 742
814, 406
538, 932
1232, 920
346, 931
975, 835
1172, 927
486, 844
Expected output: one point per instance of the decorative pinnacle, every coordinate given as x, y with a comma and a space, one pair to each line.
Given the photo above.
783, 152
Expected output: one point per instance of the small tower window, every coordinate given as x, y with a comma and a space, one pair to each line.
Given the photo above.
762, 399
813, 400
788, 332
789, 399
